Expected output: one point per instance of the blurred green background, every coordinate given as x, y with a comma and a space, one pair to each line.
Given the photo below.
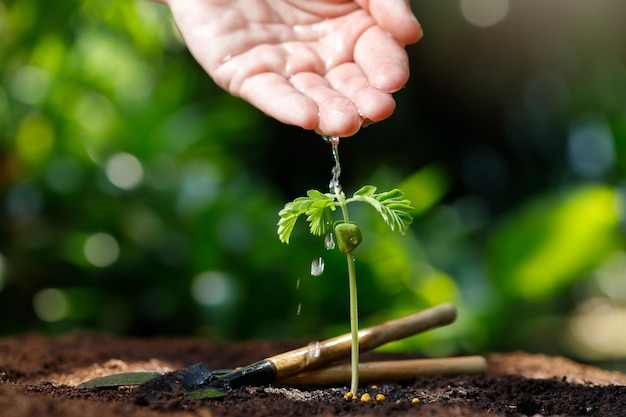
140, 199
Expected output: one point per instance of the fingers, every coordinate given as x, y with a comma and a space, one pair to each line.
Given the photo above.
338, 116
275, 96
306, 100
373, 104
383, 60
334, 106
396, 18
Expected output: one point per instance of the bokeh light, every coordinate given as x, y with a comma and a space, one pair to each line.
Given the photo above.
35, 138
124, 171
101, 249
212, 288
590, 149
199, 186
30, 84
594, 331
484, 13
51, 304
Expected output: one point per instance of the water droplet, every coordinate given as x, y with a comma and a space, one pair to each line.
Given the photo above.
299, 309
333, 140
314, 349
317, 267
298, 284
329, 242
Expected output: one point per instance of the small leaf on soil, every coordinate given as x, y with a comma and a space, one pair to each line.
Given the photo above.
119, 380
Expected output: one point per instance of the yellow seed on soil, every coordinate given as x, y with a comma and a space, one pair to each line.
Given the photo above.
380, 397
374, 387
415, 400
348, 395
366, 398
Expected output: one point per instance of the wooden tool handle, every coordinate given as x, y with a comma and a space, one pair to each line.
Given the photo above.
389, 371
318, 354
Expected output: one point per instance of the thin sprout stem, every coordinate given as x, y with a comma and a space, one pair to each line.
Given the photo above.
354, 307
354, 323
341, 199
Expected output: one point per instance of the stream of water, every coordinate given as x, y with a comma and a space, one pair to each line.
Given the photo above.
334, 185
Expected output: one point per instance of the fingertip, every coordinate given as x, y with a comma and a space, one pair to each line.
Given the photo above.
276, 98
390, 78
398, 20
383, 60
303, 113
406, 31
379, 109
415, 33
338, 118
295, 110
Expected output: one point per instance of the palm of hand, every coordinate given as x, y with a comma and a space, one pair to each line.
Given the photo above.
319, 64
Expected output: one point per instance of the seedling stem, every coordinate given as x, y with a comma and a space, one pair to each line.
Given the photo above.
354, 323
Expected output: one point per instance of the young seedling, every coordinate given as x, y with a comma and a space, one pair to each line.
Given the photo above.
318, 207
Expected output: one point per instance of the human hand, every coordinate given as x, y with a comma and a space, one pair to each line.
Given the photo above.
327, 65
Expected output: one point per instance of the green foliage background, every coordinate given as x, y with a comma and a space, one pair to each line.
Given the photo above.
138, 198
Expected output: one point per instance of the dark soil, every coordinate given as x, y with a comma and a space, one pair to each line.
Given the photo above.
38, 375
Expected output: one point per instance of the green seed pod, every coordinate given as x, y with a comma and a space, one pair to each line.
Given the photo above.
348, 236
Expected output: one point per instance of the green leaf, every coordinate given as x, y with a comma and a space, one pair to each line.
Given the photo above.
391, 205
318, 208
205, 393
317, 195
364, 191
119, 380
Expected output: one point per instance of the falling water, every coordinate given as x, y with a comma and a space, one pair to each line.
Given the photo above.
329, 242
333, 140
314, 350
334, 185
317, 267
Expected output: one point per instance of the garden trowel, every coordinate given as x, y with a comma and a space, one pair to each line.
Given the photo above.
197, 381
